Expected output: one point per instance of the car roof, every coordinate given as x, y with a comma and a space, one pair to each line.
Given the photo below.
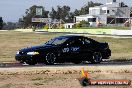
75, 36
70, 36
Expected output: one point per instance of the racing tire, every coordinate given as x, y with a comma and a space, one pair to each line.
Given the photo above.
50, 58
96, 58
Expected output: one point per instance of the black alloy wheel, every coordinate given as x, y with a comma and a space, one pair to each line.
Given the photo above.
50, 58
96, 58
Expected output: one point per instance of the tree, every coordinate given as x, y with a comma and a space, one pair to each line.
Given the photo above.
123, 4
82, 24
85, 9
1, 23
131, 11
70, 17
62, 13
67, 16
10, 25
53, 13
31, 13
77, 12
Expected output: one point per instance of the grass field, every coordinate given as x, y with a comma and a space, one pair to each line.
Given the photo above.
11, 41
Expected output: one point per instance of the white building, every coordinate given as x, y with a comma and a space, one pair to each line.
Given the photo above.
111, 13
68, 25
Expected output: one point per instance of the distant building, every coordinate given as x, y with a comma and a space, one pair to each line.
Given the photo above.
68, 25
113, 12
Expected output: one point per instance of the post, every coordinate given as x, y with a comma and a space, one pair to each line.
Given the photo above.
131, 23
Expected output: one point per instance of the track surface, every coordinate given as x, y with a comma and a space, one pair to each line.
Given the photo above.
88, 34
11, 68
103, 63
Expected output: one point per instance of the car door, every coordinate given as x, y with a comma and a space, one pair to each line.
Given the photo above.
75, 47
87, 47
72, 50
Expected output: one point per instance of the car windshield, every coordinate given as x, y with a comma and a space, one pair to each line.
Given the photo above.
56, 41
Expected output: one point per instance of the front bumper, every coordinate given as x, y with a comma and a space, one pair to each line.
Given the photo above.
25, 58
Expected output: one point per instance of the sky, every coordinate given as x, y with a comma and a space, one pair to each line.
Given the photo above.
12, 10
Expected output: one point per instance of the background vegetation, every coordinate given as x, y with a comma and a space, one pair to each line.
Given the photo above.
63, 13
1, 23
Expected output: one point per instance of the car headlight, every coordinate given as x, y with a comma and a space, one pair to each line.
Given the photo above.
17, 52
32, 53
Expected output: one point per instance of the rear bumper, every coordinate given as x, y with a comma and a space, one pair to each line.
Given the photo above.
106, 54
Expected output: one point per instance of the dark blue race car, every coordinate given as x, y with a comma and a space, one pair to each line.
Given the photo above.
65, 49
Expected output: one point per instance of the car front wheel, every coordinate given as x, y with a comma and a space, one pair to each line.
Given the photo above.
96, 58
50, 58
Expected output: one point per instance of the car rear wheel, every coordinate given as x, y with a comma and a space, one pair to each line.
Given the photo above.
50, 58
96, 58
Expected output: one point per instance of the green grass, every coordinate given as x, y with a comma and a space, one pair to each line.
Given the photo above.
11, 42
119, 28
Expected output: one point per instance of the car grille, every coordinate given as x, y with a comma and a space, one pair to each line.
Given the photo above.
21, 53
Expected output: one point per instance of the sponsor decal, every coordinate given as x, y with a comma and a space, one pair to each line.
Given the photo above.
66, 50
44, 20
73, 49
39, 11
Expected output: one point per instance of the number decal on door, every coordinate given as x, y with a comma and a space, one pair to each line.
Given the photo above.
66, 50
74, 49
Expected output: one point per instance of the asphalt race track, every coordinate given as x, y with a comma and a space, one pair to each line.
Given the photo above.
15, 68
103, 63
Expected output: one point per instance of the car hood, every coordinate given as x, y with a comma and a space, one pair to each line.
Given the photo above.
35, 48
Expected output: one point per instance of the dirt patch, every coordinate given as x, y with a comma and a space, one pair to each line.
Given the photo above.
60, 77
65, 69
56, 80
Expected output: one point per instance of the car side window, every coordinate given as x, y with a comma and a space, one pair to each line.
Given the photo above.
76, 42
86, 41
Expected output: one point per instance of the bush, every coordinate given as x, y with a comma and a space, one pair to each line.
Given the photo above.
1, 23
61, 26
82, 24
78, 25
46, 27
